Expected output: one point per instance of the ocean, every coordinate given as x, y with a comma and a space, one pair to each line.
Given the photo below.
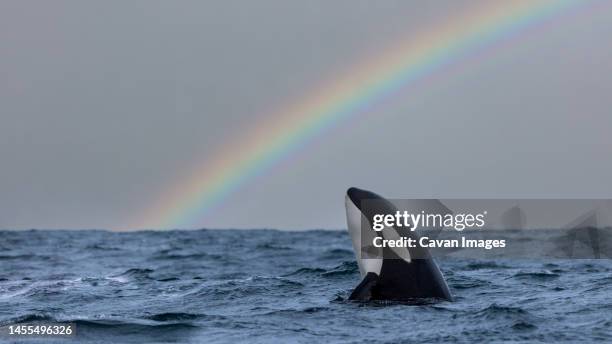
260, 286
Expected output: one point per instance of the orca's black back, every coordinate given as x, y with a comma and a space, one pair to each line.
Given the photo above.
420, 278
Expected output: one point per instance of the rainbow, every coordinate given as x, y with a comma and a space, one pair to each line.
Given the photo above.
188, 201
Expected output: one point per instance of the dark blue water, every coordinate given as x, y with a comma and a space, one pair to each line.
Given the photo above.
268, 286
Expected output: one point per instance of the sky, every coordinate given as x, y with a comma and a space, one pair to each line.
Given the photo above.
105, 105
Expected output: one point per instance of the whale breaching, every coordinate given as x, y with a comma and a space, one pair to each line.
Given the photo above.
390, 273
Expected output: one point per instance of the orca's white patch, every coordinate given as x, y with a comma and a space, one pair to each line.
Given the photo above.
354, 219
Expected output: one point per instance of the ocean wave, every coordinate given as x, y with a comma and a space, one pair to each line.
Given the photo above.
297, 311
272, 246
132, 274
345, 268
306, 271
25, 257
156, 320
336, 253
172, 317
483, 265
248, 287
38, 289
496, 312
523, 326
101, 247
465, 282
27, 318
539, 275
189, 256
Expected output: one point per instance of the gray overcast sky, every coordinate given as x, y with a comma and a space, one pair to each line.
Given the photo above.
103, 104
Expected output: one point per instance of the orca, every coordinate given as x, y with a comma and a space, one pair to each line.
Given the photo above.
395, 274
